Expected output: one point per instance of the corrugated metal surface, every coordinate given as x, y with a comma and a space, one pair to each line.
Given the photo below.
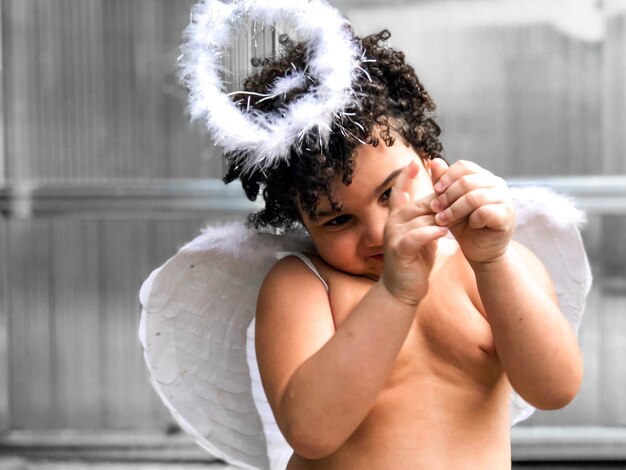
516, 91
614, 96
92, 105
92, 92
3, 159
75, 361
90, 96
4, 328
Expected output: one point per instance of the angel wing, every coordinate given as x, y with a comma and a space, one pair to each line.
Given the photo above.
196, 310
197, 324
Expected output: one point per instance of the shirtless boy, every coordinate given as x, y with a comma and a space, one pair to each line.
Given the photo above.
403, 352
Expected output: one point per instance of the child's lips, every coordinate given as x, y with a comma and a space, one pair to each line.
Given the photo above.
380, 257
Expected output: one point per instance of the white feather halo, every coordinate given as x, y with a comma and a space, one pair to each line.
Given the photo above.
261, 140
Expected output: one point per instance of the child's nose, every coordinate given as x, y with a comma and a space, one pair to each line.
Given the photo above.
374, 229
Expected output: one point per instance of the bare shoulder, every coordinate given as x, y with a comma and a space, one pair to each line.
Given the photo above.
288, 276
536, 267
293, 321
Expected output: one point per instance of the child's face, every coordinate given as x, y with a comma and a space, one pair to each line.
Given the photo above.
352, 240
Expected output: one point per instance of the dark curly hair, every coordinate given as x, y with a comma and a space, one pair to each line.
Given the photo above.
390, 101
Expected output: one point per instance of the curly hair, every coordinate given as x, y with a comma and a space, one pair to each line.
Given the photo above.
390, 101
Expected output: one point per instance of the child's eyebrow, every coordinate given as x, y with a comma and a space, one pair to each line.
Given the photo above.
322, 214
382, 185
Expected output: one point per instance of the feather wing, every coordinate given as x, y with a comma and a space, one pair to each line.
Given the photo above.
196, 311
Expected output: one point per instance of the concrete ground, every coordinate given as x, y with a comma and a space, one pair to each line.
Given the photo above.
20, 463
570, 466
136, 450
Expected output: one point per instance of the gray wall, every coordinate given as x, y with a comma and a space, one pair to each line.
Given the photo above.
98, 162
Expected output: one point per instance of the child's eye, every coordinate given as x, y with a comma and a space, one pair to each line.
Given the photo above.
338, 221
386, 195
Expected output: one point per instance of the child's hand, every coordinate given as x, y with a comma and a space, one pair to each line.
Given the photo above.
410, 240
476, 206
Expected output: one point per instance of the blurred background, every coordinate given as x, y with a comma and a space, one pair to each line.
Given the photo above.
102, 179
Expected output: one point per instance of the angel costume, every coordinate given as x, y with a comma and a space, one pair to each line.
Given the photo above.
197, 321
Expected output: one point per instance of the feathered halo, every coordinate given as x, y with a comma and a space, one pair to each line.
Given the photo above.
260, 140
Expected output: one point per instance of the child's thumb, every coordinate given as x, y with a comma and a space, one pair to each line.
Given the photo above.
438, 167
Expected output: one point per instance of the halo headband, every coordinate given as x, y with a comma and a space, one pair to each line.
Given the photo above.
261, 140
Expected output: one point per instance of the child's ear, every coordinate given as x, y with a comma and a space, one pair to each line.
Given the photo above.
423, 157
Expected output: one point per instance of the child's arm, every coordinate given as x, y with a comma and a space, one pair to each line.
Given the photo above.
320, 383
535, 344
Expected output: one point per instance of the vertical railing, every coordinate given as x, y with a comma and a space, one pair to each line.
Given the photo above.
4, 249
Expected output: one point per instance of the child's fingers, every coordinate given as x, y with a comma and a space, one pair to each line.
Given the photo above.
403, 189
464, 185
453, 173
415, 239
411, 209
438, 167
493, 216
415, 208
420, 221
467, 204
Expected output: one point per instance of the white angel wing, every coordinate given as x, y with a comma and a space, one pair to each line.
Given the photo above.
196, 310
197, 325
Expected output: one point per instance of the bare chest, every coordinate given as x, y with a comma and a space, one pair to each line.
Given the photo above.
450, 338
